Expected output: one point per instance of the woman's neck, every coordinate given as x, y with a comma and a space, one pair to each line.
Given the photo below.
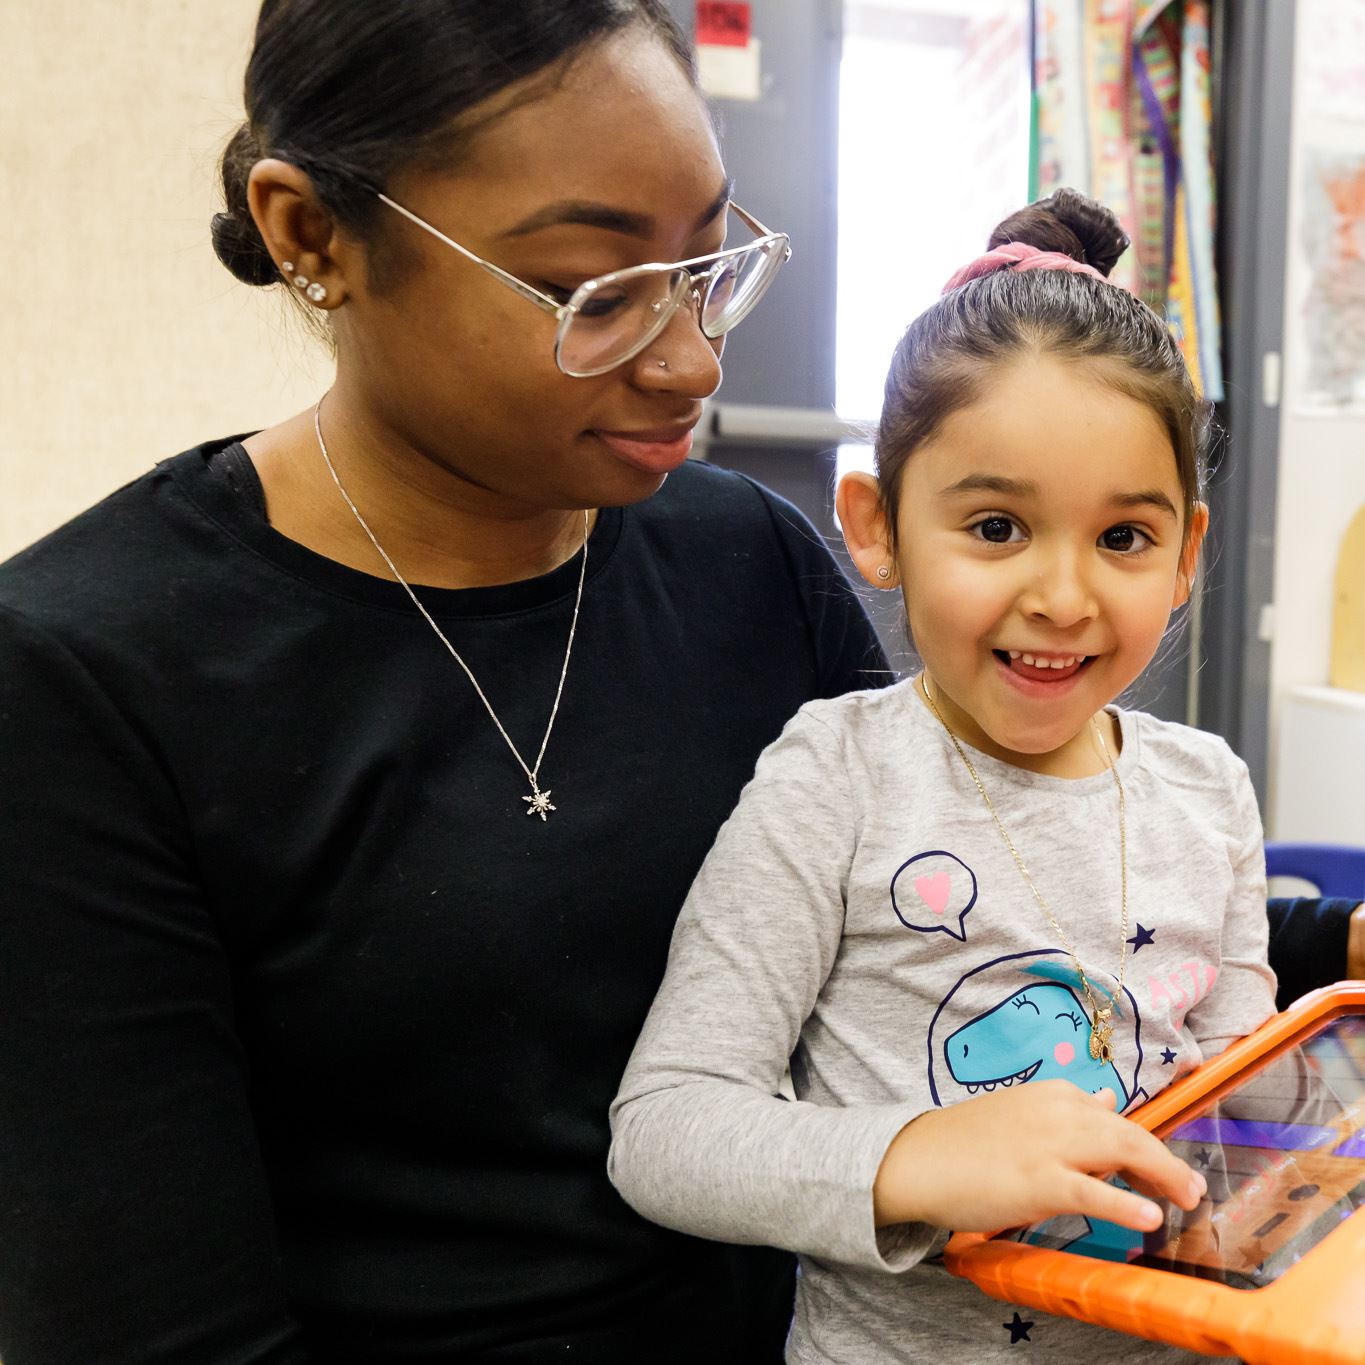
439, 529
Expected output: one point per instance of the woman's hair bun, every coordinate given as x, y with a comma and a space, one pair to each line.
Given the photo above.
1071, 223
240, 247
237, 241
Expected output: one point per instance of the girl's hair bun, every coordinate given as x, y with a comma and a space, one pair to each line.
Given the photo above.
237, 241
1069, 222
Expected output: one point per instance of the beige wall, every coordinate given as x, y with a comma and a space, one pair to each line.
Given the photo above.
122, 340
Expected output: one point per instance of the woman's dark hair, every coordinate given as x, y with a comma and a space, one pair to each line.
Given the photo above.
353, 91
946, 355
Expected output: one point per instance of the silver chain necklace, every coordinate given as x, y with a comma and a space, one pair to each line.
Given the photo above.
1101, 1030
538, 803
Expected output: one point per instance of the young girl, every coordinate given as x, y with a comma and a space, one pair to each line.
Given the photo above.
984, 912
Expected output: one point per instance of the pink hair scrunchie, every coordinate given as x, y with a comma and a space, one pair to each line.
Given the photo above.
1019, 256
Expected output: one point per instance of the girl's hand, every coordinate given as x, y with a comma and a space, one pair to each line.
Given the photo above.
1018, 1156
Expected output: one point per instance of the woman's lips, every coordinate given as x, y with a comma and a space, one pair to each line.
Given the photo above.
656, 452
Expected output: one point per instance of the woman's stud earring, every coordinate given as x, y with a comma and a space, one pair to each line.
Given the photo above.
883, 572
300, 281
316, 292
287, 267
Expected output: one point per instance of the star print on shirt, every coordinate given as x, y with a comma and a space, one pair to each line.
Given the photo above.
1142, 938
1167, 1056
1018, 1329
1203, 1156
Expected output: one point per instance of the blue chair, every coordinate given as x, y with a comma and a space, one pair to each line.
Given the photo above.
1335, 869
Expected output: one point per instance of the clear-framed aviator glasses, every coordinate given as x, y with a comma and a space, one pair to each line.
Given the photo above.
608, 320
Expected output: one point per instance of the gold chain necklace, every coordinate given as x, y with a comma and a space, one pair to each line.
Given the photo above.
1101, 1030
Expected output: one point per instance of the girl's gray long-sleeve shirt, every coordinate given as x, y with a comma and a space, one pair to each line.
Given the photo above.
861, 919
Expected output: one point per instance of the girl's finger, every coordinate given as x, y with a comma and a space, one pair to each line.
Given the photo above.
1124, 1207
1149, 1165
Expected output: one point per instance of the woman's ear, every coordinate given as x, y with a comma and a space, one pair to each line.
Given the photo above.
1189, 555
866, 533
297, 229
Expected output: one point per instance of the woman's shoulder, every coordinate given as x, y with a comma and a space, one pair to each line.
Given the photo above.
125, 555
725, 500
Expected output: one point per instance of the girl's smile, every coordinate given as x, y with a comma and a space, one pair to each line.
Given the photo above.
1040, 675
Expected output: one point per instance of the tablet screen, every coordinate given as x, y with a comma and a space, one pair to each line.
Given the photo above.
1284, 1157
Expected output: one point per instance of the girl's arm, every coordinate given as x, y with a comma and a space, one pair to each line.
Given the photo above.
701, 1141
1243, 994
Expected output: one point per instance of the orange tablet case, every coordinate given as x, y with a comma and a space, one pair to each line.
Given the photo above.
1313, 1314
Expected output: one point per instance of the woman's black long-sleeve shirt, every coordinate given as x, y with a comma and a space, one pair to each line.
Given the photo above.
308, 1030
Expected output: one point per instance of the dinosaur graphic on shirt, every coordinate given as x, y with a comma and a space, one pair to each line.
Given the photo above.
1039, 1033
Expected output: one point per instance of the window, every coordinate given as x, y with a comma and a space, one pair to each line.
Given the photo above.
933, 152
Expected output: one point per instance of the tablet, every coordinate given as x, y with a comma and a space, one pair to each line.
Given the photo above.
1271, 1265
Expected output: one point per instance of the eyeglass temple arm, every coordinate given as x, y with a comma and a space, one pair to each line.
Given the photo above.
760, 230
543, 301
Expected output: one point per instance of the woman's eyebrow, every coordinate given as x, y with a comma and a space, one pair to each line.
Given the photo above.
589, 213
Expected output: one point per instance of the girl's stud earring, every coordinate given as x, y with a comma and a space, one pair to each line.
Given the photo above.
316, 292
883, 572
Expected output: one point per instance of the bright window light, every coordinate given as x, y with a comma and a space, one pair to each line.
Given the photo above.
933, 152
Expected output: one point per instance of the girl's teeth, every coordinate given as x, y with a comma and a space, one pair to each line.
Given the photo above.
1034, 662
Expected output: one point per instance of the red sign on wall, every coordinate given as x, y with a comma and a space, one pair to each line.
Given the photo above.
721, 23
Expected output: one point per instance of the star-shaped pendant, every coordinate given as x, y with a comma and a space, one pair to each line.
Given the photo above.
538, 803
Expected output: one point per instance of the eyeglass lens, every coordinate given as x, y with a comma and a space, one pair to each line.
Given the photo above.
616, 320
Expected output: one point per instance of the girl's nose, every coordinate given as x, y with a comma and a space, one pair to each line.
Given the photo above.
1060, 591
682, 358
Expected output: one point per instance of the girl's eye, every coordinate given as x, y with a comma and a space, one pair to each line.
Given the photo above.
998, 530
1124, 540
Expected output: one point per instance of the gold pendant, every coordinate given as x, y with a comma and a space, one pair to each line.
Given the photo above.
1101, 1032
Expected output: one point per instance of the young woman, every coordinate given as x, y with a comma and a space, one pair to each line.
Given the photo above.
332, 909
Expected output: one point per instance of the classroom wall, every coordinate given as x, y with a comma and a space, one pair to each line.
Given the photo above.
1321, 468
123, 340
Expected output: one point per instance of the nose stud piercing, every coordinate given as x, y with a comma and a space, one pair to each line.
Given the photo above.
662, 364
883, 572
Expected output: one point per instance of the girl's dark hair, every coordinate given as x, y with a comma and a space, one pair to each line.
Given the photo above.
353, 91
945, 356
